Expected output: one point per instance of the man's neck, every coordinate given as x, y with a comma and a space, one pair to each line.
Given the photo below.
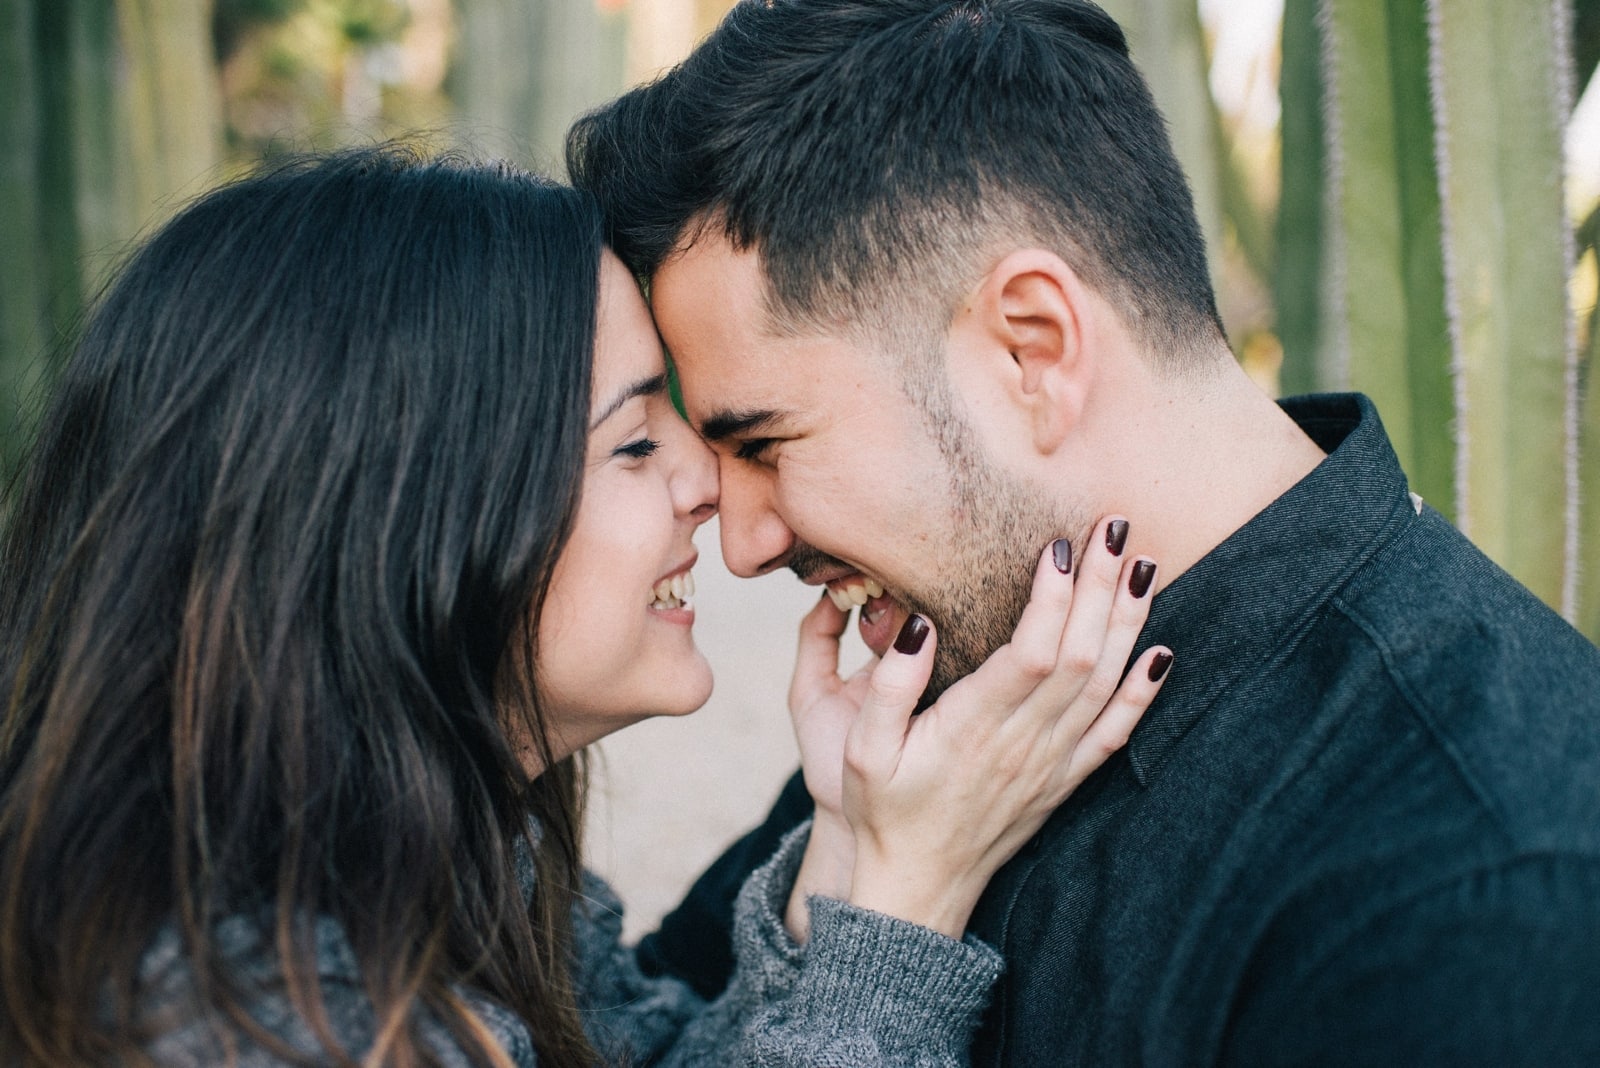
1197, 463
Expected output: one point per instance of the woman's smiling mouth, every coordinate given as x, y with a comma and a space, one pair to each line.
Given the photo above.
673, 592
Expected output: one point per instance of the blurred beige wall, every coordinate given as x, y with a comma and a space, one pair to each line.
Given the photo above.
662, 32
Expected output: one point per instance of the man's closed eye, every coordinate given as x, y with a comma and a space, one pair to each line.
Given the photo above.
754, 449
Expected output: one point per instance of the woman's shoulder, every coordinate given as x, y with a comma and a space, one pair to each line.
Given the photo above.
187, 1029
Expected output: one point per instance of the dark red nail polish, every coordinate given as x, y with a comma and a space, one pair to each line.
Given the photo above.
1061, 553
1159, 666
913, 632
1144, 573
1116, 536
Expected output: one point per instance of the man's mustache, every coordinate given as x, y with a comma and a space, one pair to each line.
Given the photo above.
806, 561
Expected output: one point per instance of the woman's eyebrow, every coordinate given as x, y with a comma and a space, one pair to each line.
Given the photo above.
645, 387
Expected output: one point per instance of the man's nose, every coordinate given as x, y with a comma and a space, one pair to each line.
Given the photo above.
694, 479
755, 539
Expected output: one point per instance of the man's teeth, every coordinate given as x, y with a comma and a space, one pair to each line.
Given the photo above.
854, 594
673, 592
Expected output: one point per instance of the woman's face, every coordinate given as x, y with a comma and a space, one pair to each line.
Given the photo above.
616, 642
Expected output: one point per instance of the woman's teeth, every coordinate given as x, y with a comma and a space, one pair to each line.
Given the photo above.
673, 592
854, 594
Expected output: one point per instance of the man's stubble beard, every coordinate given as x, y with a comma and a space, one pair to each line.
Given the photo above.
982, 575
997, 534
998, 529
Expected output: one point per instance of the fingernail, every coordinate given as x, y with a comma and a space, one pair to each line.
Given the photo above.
1061, 553
913, 632
1158, 666
1116, 536
1144, 573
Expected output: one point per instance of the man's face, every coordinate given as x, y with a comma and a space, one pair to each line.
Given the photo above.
829, 467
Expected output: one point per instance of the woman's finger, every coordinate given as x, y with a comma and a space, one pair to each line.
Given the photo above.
1036, 643
1097, 636
893, 690
1013, 672
1130, 607
1111, 729
1099, 575
816, 665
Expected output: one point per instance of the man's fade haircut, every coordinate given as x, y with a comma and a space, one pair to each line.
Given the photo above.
878, 154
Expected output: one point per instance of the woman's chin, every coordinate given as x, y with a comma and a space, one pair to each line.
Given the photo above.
682, 693
689, 693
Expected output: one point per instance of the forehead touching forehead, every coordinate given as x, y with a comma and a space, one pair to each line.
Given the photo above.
751, 370
873, 149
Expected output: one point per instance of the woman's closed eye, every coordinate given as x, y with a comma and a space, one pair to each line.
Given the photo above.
639, 449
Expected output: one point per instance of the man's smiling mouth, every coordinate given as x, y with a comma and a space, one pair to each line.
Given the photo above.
878, 608
853, 592
848, 588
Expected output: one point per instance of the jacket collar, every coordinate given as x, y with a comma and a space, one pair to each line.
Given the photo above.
1259, 590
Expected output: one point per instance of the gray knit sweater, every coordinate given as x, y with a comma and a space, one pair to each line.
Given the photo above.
866, 990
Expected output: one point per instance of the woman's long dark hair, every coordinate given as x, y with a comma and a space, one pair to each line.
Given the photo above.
269, 583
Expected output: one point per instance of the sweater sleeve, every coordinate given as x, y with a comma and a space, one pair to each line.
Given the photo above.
875, 990
868, 990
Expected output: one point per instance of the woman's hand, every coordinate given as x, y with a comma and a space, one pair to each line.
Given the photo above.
823, 707
938, 802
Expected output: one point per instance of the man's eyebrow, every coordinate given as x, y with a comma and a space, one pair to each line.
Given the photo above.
726, 424
645, 387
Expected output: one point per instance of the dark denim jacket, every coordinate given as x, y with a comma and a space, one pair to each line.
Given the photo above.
1360, 826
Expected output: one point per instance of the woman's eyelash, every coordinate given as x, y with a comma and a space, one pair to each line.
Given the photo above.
640, 449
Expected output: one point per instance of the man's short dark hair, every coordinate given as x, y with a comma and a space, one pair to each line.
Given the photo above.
881, 154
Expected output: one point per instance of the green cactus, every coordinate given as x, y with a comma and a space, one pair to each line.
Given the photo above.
113, 114
1589, 444
1439, 283
1301, 260
1384, 297
1501, 82
22, 319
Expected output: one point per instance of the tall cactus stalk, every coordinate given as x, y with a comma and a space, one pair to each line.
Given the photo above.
1443, 279
173, 111
114, 113
97, 149
1301, 263
1385, 296
22, 320
63, 93
1501, 86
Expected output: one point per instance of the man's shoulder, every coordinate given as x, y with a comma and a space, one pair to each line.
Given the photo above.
1504, 688
1430, 583
1432, 716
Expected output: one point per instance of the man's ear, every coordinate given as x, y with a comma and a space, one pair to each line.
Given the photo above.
1026, 329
